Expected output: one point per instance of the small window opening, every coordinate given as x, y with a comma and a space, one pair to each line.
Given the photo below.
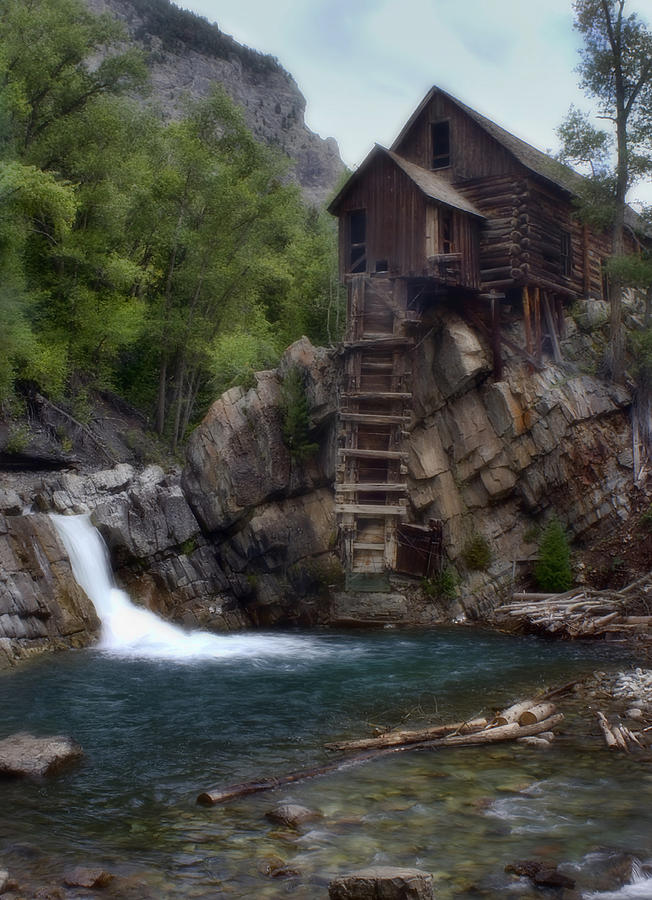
447, 239
382, 265
441, 146
358, 241
566, 253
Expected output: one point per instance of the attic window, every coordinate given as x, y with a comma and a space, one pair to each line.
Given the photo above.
441, 145
358, 240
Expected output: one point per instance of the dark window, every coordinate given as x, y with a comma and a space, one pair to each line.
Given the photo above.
358, 240
566, 254
381, 265
441, 145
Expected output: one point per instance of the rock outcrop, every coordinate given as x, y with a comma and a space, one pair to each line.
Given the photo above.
41, 604
186, 56
246, 535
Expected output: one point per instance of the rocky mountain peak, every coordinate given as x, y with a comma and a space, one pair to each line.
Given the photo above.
187, 55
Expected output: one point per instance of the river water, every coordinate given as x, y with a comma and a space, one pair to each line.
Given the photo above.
159, 729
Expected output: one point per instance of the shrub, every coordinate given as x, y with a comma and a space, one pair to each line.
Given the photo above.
553, 570
477, 553
442, 585
296, 418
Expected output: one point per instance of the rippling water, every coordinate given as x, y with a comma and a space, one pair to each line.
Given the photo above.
157, 732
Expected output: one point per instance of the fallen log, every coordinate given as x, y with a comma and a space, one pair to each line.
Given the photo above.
508, 732
536, 713
609, 737
398, 738
512, 713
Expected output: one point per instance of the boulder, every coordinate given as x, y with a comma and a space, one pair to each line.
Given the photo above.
383, 883
290, 814
460, 360
84, 877
25, 755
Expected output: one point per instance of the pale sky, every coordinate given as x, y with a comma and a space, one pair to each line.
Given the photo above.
364, 65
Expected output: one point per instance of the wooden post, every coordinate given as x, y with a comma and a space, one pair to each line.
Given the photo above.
526, 318
495, 337
550, 321
537, 322
586, 261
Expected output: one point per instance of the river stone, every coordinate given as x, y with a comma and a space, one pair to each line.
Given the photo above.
383, 883
23, 755
290, 814
81, 876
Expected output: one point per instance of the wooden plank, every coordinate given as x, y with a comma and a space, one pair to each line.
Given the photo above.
377, 395
367, 419
373, 454
368, 509
368, 486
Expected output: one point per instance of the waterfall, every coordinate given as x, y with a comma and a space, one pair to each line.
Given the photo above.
130, 630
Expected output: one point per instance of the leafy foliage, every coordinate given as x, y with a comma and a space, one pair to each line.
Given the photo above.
616, 71
167, 261
553, 569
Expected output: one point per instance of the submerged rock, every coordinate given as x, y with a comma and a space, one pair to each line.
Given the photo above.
81, 876
541, 873
24, 755
290, 814
386, 882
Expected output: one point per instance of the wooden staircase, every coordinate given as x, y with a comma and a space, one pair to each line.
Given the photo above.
374, 407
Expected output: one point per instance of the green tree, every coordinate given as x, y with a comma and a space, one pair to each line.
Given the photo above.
615, 70
553, 569
220, 219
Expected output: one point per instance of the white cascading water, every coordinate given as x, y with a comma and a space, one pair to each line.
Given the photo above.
130, 630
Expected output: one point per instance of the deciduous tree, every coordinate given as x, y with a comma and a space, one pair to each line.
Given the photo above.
615, 70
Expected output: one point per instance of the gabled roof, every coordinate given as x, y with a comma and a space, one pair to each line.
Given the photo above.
428, 183
536, 161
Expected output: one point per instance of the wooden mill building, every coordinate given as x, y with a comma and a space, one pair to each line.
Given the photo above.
457, 210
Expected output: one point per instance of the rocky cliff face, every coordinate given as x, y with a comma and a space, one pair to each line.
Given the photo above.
246, 535
185, 61
41, 605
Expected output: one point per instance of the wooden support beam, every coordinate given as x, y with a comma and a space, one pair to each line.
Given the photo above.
527, 321
537, 322
550, 321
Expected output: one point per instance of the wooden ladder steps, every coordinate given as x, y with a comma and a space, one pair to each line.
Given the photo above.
372, 454
376, 486
368, 419
370, 509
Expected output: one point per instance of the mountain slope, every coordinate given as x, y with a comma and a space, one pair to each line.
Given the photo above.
186, 55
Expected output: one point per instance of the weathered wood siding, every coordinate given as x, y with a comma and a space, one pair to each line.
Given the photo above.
474, 153
396, 219
397, 226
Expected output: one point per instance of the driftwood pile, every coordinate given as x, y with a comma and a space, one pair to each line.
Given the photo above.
523, 721
619, 736
581, 613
